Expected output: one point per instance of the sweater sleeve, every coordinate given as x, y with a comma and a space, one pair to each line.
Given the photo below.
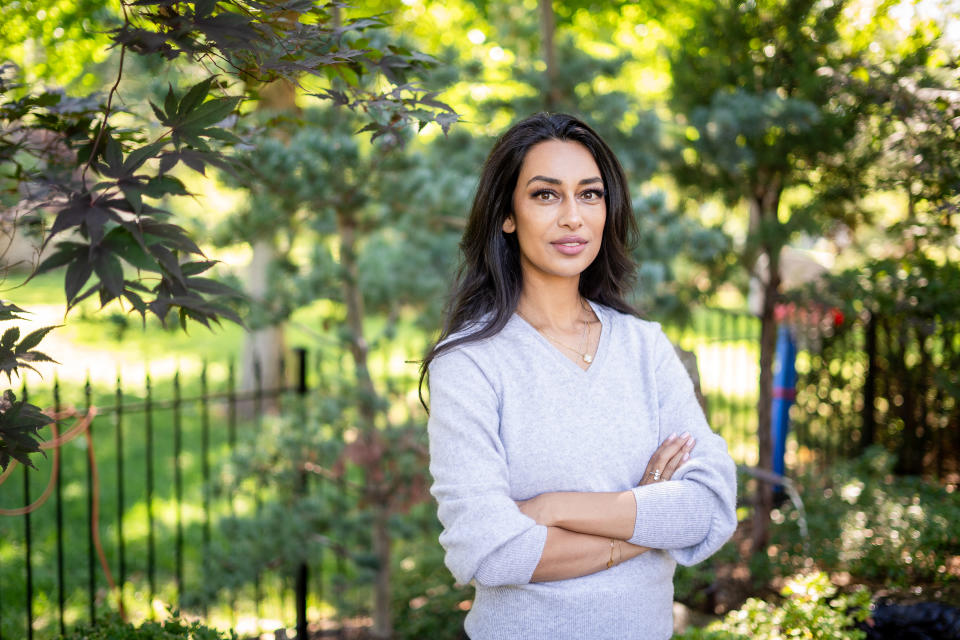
485, 536
695, 512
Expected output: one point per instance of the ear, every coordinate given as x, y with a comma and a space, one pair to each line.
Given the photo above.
509, 226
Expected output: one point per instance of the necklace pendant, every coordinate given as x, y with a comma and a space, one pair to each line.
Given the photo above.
587, 358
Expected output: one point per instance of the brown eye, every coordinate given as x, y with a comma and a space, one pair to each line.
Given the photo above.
592, 194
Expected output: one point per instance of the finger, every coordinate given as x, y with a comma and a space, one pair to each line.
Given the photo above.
672, 465
679, 458
655, 458
667, 449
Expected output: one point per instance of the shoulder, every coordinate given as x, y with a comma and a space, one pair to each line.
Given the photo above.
630, 326
471, 346
481, 352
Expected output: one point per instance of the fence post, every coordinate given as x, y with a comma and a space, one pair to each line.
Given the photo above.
869, 384
302, 573
91, 565
60, 586
178, 481
28, 538
205, 459
121, 551
151, 543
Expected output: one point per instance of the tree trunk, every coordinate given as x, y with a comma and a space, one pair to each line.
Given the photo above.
382, 625
264, 347
547, 30
374, 490
763, 210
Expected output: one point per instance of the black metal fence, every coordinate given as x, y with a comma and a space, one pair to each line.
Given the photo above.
167, 520
726, 344
887, 381
140, 478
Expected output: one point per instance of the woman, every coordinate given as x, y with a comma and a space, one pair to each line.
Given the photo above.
572, 464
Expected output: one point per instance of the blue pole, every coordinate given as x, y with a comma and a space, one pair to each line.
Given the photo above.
784, 393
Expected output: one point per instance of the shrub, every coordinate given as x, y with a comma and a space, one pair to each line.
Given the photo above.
877, 526
426, 603
811, 609
173, 628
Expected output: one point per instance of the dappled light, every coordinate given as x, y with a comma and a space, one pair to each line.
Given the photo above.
231, 230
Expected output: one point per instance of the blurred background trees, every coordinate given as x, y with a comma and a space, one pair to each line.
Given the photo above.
320, 159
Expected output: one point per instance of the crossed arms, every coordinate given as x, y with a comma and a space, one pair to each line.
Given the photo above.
587, 532
492, 539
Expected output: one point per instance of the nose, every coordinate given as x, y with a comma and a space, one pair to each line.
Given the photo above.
569, 215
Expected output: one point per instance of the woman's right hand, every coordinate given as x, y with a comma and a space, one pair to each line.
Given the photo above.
671, 453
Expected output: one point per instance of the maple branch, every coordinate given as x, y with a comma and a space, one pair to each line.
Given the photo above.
106, 113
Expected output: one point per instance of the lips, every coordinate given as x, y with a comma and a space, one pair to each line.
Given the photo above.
570, 245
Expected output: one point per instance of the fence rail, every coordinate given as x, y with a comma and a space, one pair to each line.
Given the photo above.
155, 490
55, 570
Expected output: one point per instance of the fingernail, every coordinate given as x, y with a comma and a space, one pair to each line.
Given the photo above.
686, 457
685, 434
671, 437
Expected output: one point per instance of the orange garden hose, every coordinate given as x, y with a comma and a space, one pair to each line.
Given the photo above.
82, 426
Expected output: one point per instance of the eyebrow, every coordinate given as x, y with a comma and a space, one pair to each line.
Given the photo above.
556, 181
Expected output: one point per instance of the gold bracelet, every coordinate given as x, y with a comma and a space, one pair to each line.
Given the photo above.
610, 561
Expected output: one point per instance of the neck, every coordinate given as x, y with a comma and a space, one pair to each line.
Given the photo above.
555, 307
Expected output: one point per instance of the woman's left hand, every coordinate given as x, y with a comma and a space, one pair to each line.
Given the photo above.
671, 453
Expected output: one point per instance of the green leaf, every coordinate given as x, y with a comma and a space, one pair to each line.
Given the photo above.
114, 154
77, 275
137, 157
222, 134
161, 116
197, 92
110, 271
9, 311
209, 113
204, 8
159, 186
194, 268
33, 339
66, 253
134, 196
10, 337
170, 103
122, 242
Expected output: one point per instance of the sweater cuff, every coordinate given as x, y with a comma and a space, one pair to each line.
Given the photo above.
671, 515
515, 561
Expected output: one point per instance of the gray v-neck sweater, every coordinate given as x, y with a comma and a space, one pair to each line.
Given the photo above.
511, 417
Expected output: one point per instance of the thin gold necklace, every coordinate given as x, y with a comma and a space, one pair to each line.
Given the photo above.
583, 352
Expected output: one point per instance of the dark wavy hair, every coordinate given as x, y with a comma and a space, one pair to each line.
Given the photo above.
487, 286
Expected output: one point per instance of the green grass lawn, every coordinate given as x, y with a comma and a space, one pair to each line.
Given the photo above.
100, 343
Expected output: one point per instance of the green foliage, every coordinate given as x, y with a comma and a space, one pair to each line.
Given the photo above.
907, 310
14, 355
877, 526
751, 87
680, 260
404, 207
694, 585
310, 472
48, 140
811, 609
112, 627
19, 430
291, 525
426, 602
59, 42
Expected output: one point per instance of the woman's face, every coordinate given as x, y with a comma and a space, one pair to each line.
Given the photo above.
558, 210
